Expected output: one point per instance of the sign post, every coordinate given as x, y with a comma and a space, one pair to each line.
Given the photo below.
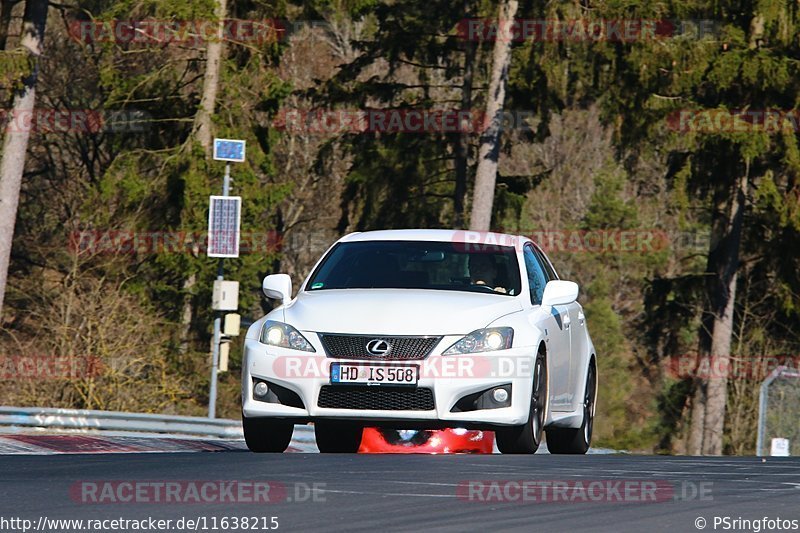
224, 220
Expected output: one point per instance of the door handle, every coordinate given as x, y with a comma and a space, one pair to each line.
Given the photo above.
581, 318
567, 320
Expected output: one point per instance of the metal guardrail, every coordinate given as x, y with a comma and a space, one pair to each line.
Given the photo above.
46, 417
91, 420
85, 419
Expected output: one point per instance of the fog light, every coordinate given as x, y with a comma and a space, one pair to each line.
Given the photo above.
500, 395
261, 389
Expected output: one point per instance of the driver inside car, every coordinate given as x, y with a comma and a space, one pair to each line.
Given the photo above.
483, 271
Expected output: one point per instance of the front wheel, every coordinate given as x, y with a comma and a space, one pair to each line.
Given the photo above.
527, 437
265, 435
338, 437
577, 440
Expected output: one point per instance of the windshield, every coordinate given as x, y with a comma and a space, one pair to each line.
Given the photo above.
418, 265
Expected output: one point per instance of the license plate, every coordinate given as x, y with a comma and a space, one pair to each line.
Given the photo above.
366, 374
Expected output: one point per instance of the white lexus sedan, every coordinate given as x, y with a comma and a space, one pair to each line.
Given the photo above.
422, 329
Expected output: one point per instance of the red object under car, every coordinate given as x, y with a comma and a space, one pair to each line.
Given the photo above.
458, 440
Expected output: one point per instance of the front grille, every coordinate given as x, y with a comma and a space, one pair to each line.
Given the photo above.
378, 398
355, 347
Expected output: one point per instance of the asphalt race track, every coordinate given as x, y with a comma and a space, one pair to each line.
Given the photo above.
414, 493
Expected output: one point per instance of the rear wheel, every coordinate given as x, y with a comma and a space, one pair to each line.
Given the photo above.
577, 440
527, 437
266, 435
338, 437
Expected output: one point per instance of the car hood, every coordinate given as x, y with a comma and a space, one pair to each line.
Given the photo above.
397, 311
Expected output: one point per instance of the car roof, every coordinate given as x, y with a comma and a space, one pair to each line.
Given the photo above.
440, 235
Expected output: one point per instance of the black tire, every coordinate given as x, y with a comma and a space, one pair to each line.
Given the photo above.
338, 437
577, 440
527, 437
267, 435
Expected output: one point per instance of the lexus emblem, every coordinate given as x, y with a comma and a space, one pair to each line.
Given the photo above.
378, 347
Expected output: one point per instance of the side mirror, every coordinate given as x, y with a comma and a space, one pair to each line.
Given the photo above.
559, 292
277, 287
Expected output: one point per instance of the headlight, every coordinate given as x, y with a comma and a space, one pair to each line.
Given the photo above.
483, 340
277, 333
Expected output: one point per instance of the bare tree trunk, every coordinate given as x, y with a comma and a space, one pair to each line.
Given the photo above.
710, 398
208, 102
15, 144
489, 149
722, 332
717, 392
203, 132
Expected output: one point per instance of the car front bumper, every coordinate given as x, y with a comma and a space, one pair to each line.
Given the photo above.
449, 378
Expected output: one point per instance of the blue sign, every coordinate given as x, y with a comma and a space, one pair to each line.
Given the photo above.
229, 150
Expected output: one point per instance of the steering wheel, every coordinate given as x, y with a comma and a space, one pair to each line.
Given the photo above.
485, 287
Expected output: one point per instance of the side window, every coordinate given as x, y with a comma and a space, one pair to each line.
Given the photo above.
536, 276
548, 270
